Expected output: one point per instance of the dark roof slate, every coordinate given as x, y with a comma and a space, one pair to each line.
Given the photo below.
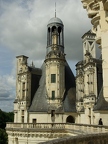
40, 104
34, 70
102, 104
70, 91
88, 33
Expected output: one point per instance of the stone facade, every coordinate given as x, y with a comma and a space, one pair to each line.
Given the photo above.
98, 12
88, 81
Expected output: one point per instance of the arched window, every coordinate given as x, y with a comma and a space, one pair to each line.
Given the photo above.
59, 35
59, 29
70, 119
53, 28
49, 29
48, 36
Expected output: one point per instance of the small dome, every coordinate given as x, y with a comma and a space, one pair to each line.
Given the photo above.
55, 20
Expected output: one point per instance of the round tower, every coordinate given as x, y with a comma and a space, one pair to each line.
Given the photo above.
55, 63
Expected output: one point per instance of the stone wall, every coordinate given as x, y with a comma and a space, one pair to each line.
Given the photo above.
84, 139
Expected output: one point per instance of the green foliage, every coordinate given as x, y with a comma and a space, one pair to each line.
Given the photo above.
5, 117
3, 137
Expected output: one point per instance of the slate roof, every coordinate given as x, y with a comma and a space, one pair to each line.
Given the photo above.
88, 33
40, 104
102, 104
70, 92
35, 70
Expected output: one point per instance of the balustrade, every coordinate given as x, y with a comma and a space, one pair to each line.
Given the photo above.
80, 128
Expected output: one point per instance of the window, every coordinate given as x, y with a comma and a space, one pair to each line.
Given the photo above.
23, 85
22, 119
23, 90
34, 121
53, 95
52, 113
23, 94
22, 112
53, 78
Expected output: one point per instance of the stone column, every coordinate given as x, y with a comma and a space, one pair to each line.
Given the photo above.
104, 45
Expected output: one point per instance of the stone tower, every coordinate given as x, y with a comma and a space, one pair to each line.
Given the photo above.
90, 71
26, 77
55, 98
22, 100
55, 63
90, 75
88, 78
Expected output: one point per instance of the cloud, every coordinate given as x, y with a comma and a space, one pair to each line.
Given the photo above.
24, 25
6, 105
7, 85
23, 31
7, 92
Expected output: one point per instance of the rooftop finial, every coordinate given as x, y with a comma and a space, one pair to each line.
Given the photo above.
55, 9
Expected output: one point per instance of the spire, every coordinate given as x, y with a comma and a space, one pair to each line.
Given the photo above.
55, 9
32, 64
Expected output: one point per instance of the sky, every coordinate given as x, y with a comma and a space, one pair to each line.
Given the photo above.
23, 31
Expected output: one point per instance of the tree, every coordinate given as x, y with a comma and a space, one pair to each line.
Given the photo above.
3, 137
5, 117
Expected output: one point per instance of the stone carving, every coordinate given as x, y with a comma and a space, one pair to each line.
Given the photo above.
98, 12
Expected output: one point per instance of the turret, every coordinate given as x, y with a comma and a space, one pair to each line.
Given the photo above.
55, 63
86, 78
55, 34
88, 40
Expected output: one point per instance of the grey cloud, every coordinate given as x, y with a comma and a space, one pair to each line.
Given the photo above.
25, 33
7, 88
6, 95
6, 105
7, 99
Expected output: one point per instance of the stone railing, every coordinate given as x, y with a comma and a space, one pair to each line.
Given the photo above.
84, 139
86, 129
36, 125
70, 128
